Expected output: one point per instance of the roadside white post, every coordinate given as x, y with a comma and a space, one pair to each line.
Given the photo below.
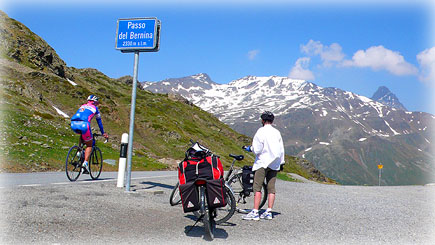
122, 160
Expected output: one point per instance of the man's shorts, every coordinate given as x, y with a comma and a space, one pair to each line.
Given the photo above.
270, 176
84, 128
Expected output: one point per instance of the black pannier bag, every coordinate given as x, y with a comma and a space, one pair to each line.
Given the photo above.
189, 197
216, 194
247, 179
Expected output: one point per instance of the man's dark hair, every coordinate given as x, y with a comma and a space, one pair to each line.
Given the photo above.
267, 116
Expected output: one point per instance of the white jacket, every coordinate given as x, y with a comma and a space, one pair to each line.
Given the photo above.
268, 148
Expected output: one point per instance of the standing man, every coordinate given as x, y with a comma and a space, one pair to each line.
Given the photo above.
269, 155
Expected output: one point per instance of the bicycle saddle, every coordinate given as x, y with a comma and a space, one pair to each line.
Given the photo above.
237, 157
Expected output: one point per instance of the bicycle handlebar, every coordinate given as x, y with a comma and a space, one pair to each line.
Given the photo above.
99, 135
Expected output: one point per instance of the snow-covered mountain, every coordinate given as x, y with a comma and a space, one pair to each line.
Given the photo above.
344, 134
386, 97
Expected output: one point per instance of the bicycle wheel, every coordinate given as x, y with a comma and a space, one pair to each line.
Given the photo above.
73, 164
244, 203
175, 198
207, 215
223, 214
95, 163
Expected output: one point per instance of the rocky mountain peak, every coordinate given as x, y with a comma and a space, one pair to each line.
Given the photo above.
386, 97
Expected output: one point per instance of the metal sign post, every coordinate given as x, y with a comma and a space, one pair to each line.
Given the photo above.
136, 35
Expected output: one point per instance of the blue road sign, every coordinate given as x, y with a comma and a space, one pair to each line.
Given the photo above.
137, 34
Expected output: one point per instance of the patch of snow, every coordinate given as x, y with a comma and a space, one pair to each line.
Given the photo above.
308, 149
394, 131
73, 83
362, 139
364, 99
61, 112
324, 143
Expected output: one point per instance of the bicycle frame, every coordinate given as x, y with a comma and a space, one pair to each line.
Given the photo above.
228, 175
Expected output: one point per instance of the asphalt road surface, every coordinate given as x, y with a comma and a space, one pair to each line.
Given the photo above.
45, 208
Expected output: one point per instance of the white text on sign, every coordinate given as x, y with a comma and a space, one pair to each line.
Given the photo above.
131, 25
135, 35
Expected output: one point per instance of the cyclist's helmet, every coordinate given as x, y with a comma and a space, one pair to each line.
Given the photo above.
267, 116
93, 98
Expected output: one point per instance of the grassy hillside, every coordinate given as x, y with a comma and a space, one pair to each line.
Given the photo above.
35, 81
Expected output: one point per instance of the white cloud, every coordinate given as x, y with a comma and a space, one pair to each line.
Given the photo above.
329, 54
426, 59
253, 54
300, 71
380, 58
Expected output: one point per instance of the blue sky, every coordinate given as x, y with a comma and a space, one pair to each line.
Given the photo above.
356, 47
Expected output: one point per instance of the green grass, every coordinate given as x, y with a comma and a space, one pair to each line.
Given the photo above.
284, 176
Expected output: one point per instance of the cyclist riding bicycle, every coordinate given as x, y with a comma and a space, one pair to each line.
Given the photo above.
81, 124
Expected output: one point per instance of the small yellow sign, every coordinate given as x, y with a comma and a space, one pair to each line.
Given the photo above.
380, 166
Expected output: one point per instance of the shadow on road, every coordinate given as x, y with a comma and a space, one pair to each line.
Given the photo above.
156, 184
198, 231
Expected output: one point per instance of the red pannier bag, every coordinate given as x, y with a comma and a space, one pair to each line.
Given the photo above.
207, 168
210, 169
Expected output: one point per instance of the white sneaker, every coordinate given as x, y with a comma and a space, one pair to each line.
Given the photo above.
251, 216
85, 169
266, 215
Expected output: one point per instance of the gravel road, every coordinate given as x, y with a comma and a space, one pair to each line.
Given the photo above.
90, 212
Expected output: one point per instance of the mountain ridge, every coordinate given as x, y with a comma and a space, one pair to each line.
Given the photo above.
333, 128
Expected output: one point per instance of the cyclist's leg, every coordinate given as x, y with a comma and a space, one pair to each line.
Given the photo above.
87, 139
258, 182
270, 180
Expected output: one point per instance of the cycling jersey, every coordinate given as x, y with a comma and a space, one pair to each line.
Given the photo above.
80, 121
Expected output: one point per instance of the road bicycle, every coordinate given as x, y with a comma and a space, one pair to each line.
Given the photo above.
244, 199
76, 157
